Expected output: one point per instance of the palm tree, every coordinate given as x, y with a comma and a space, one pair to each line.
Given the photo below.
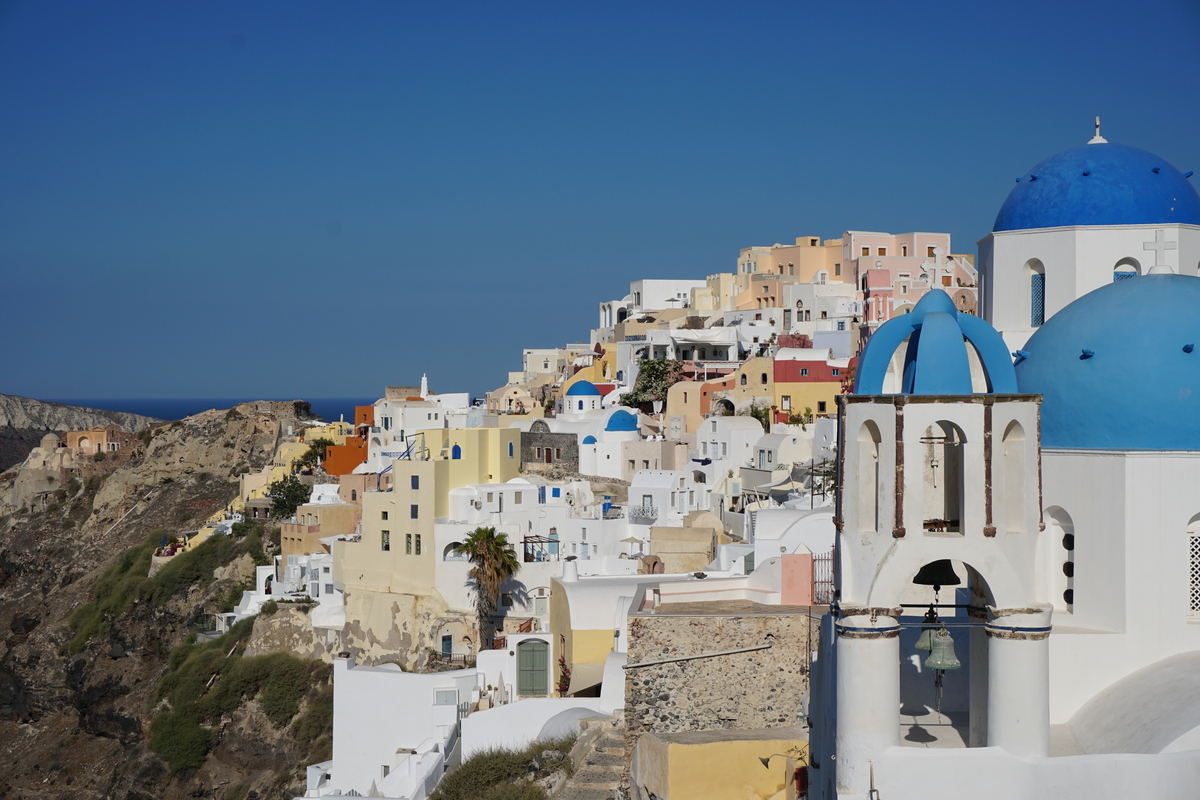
493, 563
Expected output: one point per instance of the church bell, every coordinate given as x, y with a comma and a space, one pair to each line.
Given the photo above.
937, 574
941, 655
929, 625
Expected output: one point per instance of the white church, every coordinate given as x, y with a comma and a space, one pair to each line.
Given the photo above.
1018, 555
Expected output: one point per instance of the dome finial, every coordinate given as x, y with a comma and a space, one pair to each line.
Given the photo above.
1097, 139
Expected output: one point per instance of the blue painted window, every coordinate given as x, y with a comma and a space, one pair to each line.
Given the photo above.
1123, 276
556, 492
1037, 300
581, 405
456, 452
541, 494
510, 449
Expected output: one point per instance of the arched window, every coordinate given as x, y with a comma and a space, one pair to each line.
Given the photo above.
942, 479
1014, 477
764, 379
456, 452
868, 476
354, 495
581, 405
1060, 546
1036, 273
1126, 268
743, 380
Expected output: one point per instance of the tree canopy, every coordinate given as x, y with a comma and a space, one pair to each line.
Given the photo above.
493, 562
287, 495
314, 453
655, 377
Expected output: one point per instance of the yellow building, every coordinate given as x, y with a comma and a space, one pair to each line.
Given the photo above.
395, 554
316, 521
466, 456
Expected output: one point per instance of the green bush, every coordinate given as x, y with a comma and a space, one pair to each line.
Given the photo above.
268, 608
205, 681
99, 457
124, 582
313, 731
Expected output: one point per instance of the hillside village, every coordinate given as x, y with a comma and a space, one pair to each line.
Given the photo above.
705, 544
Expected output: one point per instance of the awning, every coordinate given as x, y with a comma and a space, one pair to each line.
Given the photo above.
585, 676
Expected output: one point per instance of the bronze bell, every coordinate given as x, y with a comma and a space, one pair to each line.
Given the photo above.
929, 625
937, 574
942, 654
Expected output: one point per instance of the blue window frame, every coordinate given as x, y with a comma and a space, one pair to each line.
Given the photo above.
1037, 300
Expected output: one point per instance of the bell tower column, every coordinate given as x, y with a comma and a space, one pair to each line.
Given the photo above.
1018, 708
868, 693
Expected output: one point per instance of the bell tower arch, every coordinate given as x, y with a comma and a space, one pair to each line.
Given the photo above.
939, 475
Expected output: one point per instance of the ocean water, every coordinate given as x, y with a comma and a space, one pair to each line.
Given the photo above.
328, 408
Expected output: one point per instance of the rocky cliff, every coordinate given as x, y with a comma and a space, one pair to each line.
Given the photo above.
23, 423
78, 724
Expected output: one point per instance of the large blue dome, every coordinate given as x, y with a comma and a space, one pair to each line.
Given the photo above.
1119, 369
936, 361
1100, 184
585, 388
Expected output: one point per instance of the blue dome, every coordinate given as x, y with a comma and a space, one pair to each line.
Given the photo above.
621, 420
1117, 367
589, 439
584, 388
1100, 184
936, 360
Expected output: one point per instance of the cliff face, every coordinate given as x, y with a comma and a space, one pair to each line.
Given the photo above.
78, 725
23, 423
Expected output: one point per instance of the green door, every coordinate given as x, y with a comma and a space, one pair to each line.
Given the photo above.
531, 668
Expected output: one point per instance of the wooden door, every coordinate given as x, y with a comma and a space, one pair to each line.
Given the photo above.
531, 668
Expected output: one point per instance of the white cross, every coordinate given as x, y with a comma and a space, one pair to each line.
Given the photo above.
1158, 246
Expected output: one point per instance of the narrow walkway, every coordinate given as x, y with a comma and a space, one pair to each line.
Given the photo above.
598, 770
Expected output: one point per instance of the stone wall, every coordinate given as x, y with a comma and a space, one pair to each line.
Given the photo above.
744, 691
565, 444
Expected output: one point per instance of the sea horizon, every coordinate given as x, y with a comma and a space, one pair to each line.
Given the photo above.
329, 409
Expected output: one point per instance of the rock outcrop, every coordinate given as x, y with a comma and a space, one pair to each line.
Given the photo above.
23, 423
77, 726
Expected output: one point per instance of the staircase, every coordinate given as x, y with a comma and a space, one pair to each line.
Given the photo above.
599, 759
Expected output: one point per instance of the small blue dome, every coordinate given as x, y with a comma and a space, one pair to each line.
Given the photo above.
621, 420
936, 361
584, 388
1117, 367
1100, 184
589, 439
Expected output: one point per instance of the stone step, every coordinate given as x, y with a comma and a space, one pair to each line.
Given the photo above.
576, 793
610, 743
597, 775
606, 759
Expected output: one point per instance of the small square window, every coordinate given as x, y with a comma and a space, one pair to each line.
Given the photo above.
386, 543
556, 492
882, 251
412, 512
835, 373
929, 251
866, 251
820, 406
490, 497
329, 588
383, 515
506, 600
416, 482
804, 372
516, 498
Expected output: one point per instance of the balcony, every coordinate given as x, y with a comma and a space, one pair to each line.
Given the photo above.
642, 512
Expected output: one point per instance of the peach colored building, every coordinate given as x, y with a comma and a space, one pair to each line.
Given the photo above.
100, 439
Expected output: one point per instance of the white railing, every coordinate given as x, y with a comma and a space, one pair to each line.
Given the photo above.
645, 512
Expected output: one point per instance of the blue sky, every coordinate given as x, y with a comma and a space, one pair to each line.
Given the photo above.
319, 199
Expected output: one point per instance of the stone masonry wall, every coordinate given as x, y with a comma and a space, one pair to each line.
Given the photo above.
761, 689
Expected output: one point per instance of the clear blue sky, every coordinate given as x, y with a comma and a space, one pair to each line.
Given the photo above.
318, 199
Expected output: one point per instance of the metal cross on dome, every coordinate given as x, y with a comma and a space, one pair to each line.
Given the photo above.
1159, 246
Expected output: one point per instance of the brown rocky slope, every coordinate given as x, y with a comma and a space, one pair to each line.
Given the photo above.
77, 725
